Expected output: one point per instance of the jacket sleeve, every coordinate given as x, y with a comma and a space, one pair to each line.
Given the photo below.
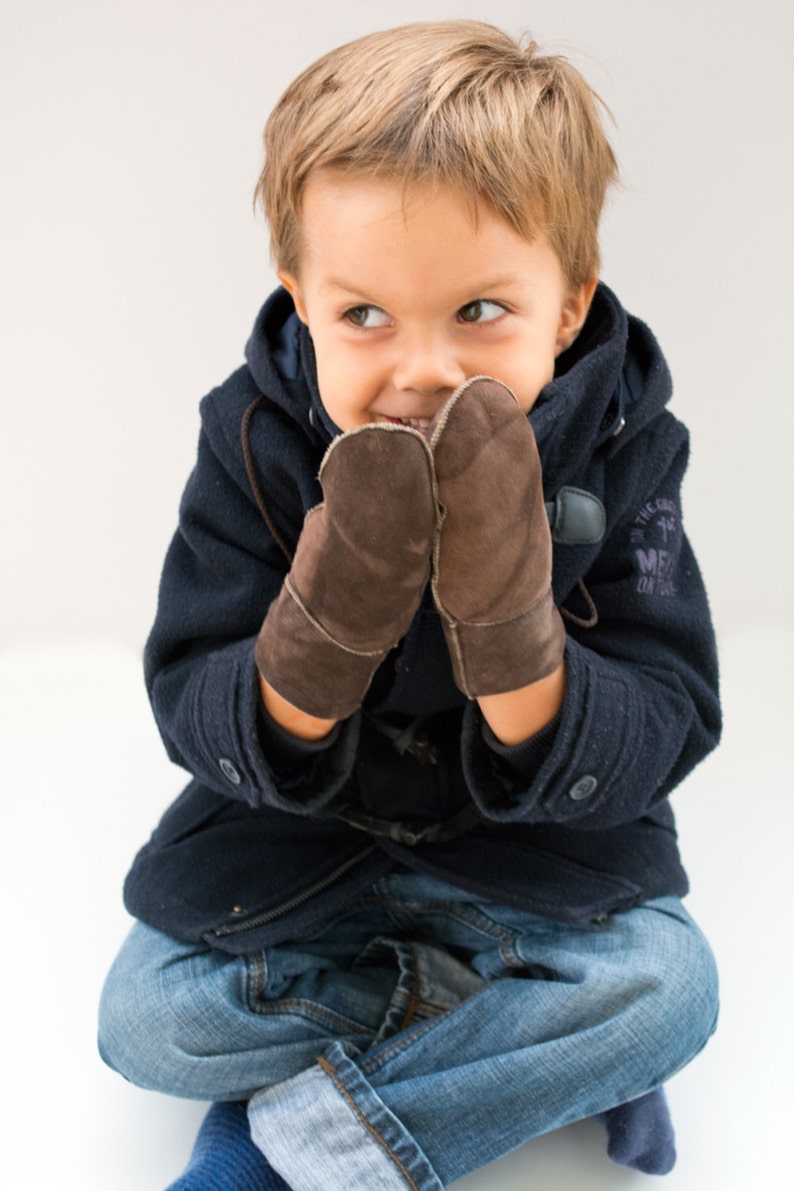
221, 572
642, 706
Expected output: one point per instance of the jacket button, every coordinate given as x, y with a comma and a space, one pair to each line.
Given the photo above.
229, 771
583, 788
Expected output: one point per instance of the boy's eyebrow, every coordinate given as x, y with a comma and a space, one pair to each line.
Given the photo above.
503, 281
338, 283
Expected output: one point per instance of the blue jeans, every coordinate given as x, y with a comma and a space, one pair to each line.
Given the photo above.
420, 1034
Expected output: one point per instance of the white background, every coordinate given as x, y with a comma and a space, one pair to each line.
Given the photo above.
131, 269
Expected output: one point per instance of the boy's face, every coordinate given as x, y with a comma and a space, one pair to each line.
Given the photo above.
407, 295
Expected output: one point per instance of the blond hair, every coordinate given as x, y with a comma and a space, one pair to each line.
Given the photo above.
458, 102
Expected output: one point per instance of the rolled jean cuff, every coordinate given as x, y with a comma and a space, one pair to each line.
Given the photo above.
328, 1130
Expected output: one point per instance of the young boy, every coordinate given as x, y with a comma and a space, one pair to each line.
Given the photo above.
435, 649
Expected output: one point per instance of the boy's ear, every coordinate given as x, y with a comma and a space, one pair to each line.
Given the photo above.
291, 285
574, 313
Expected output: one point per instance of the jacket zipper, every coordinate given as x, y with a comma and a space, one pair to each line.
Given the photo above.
298, 900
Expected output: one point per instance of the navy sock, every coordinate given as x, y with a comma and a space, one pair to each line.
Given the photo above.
640, 1134
224, 1157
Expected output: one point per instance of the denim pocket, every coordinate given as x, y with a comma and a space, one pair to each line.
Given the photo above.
322, 993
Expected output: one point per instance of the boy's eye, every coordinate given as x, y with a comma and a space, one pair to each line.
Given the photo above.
480, 311
366, 316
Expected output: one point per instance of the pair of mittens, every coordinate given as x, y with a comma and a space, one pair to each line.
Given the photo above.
463, 508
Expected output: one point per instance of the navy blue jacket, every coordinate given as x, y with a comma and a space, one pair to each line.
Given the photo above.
574, 823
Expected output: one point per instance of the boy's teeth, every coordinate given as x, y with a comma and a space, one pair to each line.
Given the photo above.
420, 424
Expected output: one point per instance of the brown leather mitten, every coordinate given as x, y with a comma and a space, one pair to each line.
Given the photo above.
361, 565
492, 558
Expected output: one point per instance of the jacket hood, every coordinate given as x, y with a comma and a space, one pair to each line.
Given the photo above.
280, 358
610, 383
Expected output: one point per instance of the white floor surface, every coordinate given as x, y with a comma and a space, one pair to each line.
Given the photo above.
84, 779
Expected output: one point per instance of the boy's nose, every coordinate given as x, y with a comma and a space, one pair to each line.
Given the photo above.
428, 366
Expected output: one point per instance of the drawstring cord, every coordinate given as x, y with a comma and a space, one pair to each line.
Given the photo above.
592, 620
251, 473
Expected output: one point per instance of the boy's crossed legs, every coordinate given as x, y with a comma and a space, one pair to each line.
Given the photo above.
419, 1036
